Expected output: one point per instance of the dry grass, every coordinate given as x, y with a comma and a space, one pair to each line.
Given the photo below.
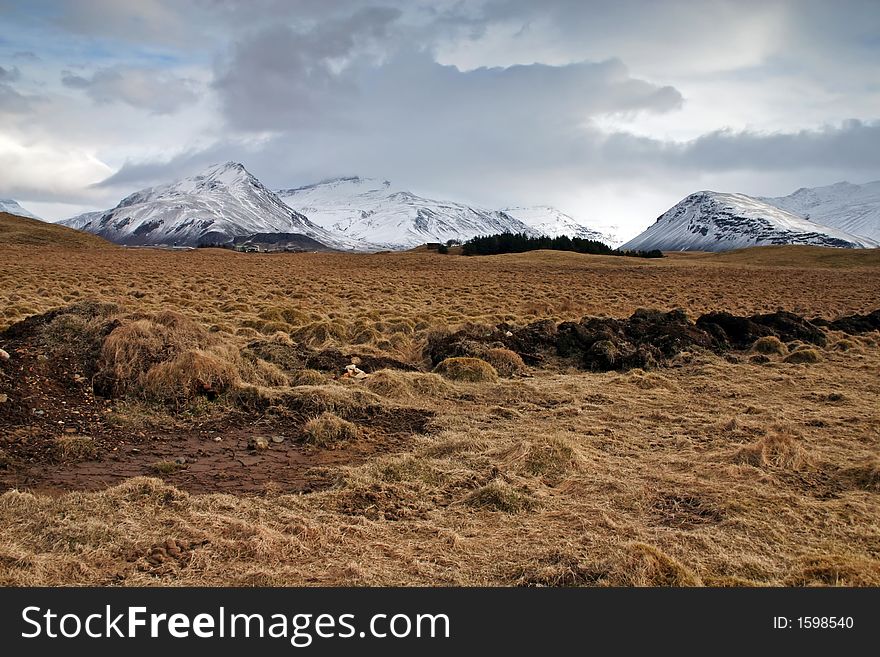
708, 472
506, 362
770, 345
22, 231
74, 448
803, 355
327, 429
472, 370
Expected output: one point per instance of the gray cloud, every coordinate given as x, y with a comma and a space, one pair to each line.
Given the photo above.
9, 74
11, 100
851, 146
156, 91
280, 78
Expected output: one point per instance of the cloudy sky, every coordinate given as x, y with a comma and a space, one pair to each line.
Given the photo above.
611, 111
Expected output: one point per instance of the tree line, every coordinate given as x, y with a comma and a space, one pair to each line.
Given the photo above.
520, 243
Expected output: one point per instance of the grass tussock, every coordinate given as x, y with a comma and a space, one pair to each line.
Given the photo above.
328, 429
170, 358
769, 345
506, 362
470, 370
307, 377
552, 457
498, 495
835, 570
803, 356
646, 565
75, 448
775, 450
846, 345
167, 467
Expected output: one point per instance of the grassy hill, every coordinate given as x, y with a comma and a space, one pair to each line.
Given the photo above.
21, 231
793, 256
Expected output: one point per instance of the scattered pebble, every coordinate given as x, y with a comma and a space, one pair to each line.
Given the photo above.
3, 398
217, 439
4, 355
277, 439
260, 443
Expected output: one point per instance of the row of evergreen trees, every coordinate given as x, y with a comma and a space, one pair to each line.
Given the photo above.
520, 243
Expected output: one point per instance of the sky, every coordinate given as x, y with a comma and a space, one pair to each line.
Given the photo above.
610, 111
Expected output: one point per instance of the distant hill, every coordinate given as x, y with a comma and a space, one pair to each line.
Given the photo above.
21, 231
715, 221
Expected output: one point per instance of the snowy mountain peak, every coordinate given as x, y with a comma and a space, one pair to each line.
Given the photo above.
215, 206
716, 221
11, 206
843, 205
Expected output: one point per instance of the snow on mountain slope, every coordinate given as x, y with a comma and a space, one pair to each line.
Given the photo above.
713, 221
12, 207
549, 221
370, 210
80, 220
221, 203
851, 208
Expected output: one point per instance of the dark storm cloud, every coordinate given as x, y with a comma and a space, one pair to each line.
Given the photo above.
156, 91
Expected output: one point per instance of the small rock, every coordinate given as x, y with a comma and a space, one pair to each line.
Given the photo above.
39, 412
354, 372
277, 439
3, 398
217, 439
4, 355
180, 460
260, 443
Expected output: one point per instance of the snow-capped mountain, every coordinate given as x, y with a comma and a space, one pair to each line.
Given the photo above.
713, 221
546, 220
851, 208
221, 203
373, 211
12, 207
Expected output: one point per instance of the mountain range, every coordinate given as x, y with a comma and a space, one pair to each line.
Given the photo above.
225, 204
371, 210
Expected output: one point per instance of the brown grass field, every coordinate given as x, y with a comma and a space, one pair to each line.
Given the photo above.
226, 447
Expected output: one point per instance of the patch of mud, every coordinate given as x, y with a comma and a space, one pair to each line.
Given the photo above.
294, 357
48, 400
